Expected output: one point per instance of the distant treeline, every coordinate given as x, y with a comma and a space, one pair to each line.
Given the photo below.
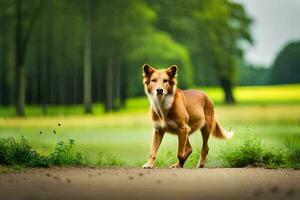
84, 51
284, 70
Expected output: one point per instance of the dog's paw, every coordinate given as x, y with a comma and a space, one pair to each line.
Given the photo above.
201, 165
148, 166
176, 165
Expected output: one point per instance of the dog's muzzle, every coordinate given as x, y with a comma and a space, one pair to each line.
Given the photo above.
159, 91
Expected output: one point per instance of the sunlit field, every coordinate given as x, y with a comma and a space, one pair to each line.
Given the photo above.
270, 113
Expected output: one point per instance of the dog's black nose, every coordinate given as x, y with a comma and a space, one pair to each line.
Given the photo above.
159, 91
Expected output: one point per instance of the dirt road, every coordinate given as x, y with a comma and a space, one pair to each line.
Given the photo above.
119, 183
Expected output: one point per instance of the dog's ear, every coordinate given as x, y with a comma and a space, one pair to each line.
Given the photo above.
148, 70
172, 71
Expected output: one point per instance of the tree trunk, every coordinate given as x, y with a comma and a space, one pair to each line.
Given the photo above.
45, 50
19, 71
109, 85
4, 52
227, 88
87, 71
22, 37
20, 88
123, 87
117, 85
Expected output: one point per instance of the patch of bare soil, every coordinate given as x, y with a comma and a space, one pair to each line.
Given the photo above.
120, 183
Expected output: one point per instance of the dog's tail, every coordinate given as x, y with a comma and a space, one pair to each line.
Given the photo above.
213, 125
219, 132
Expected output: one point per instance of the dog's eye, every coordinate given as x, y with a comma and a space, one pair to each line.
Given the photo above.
166, 80
153, 80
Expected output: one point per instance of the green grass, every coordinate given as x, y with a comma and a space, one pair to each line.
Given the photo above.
293, 154
264, 95
245, 95
123, 138
20, 153
127, 135
252, 152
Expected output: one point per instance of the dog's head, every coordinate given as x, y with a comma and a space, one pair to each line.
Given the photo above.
159, 82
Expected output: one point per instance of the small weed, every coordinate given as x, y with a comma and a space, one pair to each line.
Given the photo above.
106, 160
166, 158
64, 154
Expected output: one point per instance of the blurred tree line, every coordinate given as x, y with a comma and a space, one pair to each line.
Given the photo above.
285, 68
84, 51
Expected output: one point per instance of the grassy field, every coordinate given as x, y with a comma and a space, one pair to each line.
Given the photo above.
271, 114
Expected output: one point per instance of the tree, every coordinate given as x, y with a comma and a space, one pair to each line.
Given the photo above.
226, 25
22, 37
211, 30
78, 54
286, 67
160, 50
123, 22
87, 69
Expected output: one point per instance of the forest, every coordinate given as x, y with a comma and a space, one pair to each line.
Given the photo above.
73, 52
65, 52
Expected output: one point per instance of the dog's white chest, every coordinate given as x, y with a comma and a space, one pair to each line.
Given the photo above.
161, 106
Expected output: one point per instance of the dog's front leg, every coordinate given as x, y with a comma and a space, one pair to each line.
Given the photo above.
182, 142
156, 141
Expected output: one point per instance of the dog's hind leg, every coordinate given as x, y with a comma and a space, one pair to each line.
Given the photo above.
205, 135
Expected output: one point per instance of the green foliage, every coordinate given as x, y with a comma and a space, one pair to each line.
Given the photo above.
13, 152
254, 75
165, 158
252, 152
286, 68
202, 37
109, 160
64, 154
249, 153
21, 153
293, 154
273, 158
161, 51
210, 30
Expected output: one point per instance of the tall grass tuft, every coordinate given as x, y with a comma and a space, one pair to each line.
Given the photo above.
253, 153
166, 158
293, 154
21, 153
13, 152
64, 154
105, 160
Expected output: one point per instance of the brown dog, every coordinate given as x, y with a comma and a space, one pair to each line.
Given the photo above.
180, 112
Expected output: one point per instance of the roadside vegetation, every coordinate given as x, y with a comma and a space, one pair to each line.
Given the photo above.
250, 153
21, 153
67, 137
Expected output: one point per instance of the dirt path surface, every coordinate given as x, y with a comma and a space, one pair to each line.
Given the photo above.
119, 183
